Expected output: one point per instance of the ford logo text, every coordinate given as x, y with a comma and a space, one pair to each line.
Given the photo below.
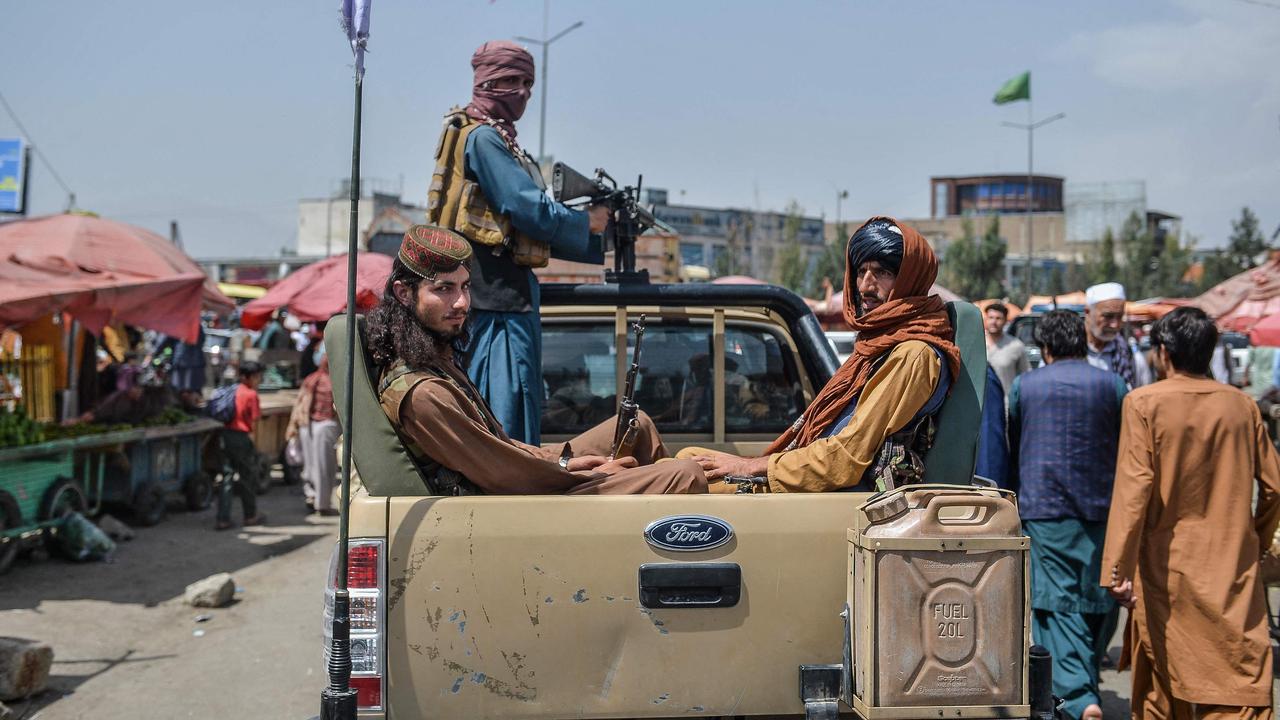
687, 533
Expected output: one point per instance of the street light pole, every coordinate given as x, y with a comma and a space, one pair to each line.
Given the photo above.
542, 110
1030, 127
841, 195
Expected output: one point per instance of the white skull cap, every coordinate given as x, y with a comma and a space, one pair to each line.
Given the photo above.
1104, 292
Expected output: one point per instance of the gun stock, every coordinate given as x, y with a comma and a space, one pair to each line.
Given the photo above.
568, 185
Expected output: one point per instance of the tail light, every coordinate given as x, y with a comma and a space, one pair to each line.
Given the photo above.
366, 584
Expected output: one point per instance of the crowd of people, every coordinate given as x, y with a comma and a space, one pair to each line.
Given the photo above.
1136, 477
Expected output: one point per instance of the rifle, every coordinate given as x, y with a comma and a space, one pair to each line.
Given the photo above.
627, 218
624, 433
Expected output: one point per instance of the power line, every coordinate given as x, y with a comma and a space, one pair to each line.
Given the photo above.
71, 196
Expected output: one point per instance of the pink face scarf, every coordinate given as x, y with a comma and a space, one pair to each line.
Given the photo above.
500, 108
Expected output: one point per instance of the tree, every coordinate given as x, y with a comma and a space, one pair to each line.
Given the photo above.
830, 263
973, 267
790, 262
1244, 245
1148, 265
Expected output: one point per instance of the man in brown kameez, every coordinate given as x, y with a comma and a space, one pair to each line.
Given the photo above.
445, 423
1183, 539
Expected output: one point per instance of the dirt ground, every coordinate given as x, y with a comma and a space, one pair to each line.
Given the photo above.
126, 646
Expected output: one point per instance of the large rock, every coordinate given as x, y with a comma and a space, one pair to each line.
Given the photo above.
24, 667
115, 528
214, 591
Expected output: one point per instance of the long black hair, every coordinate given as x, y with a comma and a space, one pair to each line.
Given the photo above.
394, 333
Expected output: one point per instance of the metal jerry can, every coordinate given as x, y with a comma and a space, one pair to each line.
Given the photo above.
938, 587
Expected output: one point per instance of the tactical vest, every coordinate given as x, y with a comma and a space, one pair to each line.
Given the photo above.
900, 460
458, 203
396, 384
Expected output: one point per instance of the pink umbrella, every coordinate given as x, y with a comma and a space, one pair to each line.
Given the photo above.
101, 271
319, 290
1241, 301
737, 280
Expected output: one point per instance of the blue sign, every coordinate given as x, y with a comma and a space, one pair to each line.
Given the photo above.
12, 169
688, 533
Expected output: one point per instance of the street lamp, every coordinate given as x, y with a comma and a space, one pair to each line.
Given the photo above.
1030, 127
841, 195
542, 111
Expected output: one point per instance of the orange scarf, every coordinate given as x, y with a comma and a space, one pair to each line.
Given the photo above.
907, 314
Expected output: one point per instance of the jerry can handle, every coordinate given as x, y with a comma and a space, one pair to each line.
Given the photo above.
967, 491
938, 503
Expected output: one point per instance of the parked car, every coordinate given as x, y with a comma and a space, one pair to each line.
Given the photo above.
842, 343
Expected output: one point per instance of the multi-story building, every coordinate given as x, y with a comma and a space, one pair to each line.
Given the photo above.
732, 240
1067, 219
322, 222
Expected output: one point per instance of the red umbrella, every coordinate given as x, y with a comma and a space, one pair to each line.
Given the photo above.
1266, 332
319, 290
101, 271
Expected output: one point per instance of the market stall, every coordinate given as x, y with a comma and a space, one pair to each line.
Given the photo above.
52, 470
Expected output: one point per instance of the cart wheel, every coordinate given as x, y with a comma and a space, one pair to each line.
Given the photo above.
198, 491
10, 518
64, 496
148, 505
263, 485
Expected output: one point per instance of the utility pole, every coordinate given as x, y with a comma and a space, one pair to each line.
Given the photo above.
841, 195
545, 42
1030, 127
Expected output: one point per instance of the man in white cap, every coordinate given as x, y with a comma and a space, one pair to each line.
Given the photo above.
1108, 349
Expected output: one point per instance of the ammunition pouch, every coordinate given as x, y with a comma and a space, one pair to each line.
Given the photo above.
900, 460
458, 203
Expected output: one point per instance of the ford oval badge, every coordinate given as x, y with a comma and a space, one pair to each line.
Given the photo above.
688, 533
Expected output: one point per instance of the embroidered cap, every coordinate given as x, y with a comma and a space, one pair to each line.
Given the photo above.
429, 250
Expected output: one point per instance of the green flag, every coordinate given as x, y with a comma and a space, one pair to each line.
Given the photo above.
1017, 88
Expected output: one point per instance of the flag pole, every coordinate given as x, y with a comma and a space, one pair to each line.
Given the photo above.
338, 700
1031, 134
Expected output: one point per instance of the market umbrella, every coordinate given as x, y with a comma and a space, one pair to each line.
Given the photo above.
737, 280
101, 271
319, 291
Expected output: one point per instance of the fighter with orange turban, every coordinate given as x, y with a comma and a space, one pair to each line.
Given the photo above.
871, 425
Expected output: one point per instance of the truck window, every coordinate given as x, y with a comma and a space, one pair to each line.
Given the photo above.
763, 393
578, 372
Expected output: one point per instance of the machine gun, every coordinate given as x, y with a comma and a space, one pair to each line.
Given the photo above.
627, 218
624, 433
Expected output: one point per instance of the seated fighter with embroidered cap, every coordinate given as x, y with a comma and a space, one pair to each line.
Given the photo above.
872, 424
413, 336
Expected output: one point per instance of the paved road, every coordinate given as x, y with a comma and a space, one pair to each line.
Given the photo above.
125, 644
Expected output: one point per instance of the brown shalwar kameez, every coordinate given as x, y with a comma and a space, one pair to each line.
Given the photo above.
1182, 527
456, 429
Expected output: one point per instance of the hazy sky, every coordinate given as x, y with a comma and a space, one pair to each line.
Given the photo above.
221, 115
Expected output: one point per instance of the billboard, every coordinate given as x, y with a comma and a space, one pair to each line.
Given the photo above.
13, 167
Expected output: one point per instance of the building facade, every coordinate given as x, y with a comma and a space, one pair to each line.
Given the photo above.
731, 241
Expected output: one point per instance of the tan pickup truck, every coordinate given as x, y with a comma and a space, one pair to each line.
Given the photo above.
634, 606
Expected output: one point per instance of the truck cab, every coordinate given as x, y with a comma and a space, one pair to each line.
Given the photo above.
557, 607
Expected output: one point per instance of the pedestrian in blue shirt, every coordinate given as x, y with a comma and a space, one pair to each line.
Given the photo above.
1064, 426
489, 190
